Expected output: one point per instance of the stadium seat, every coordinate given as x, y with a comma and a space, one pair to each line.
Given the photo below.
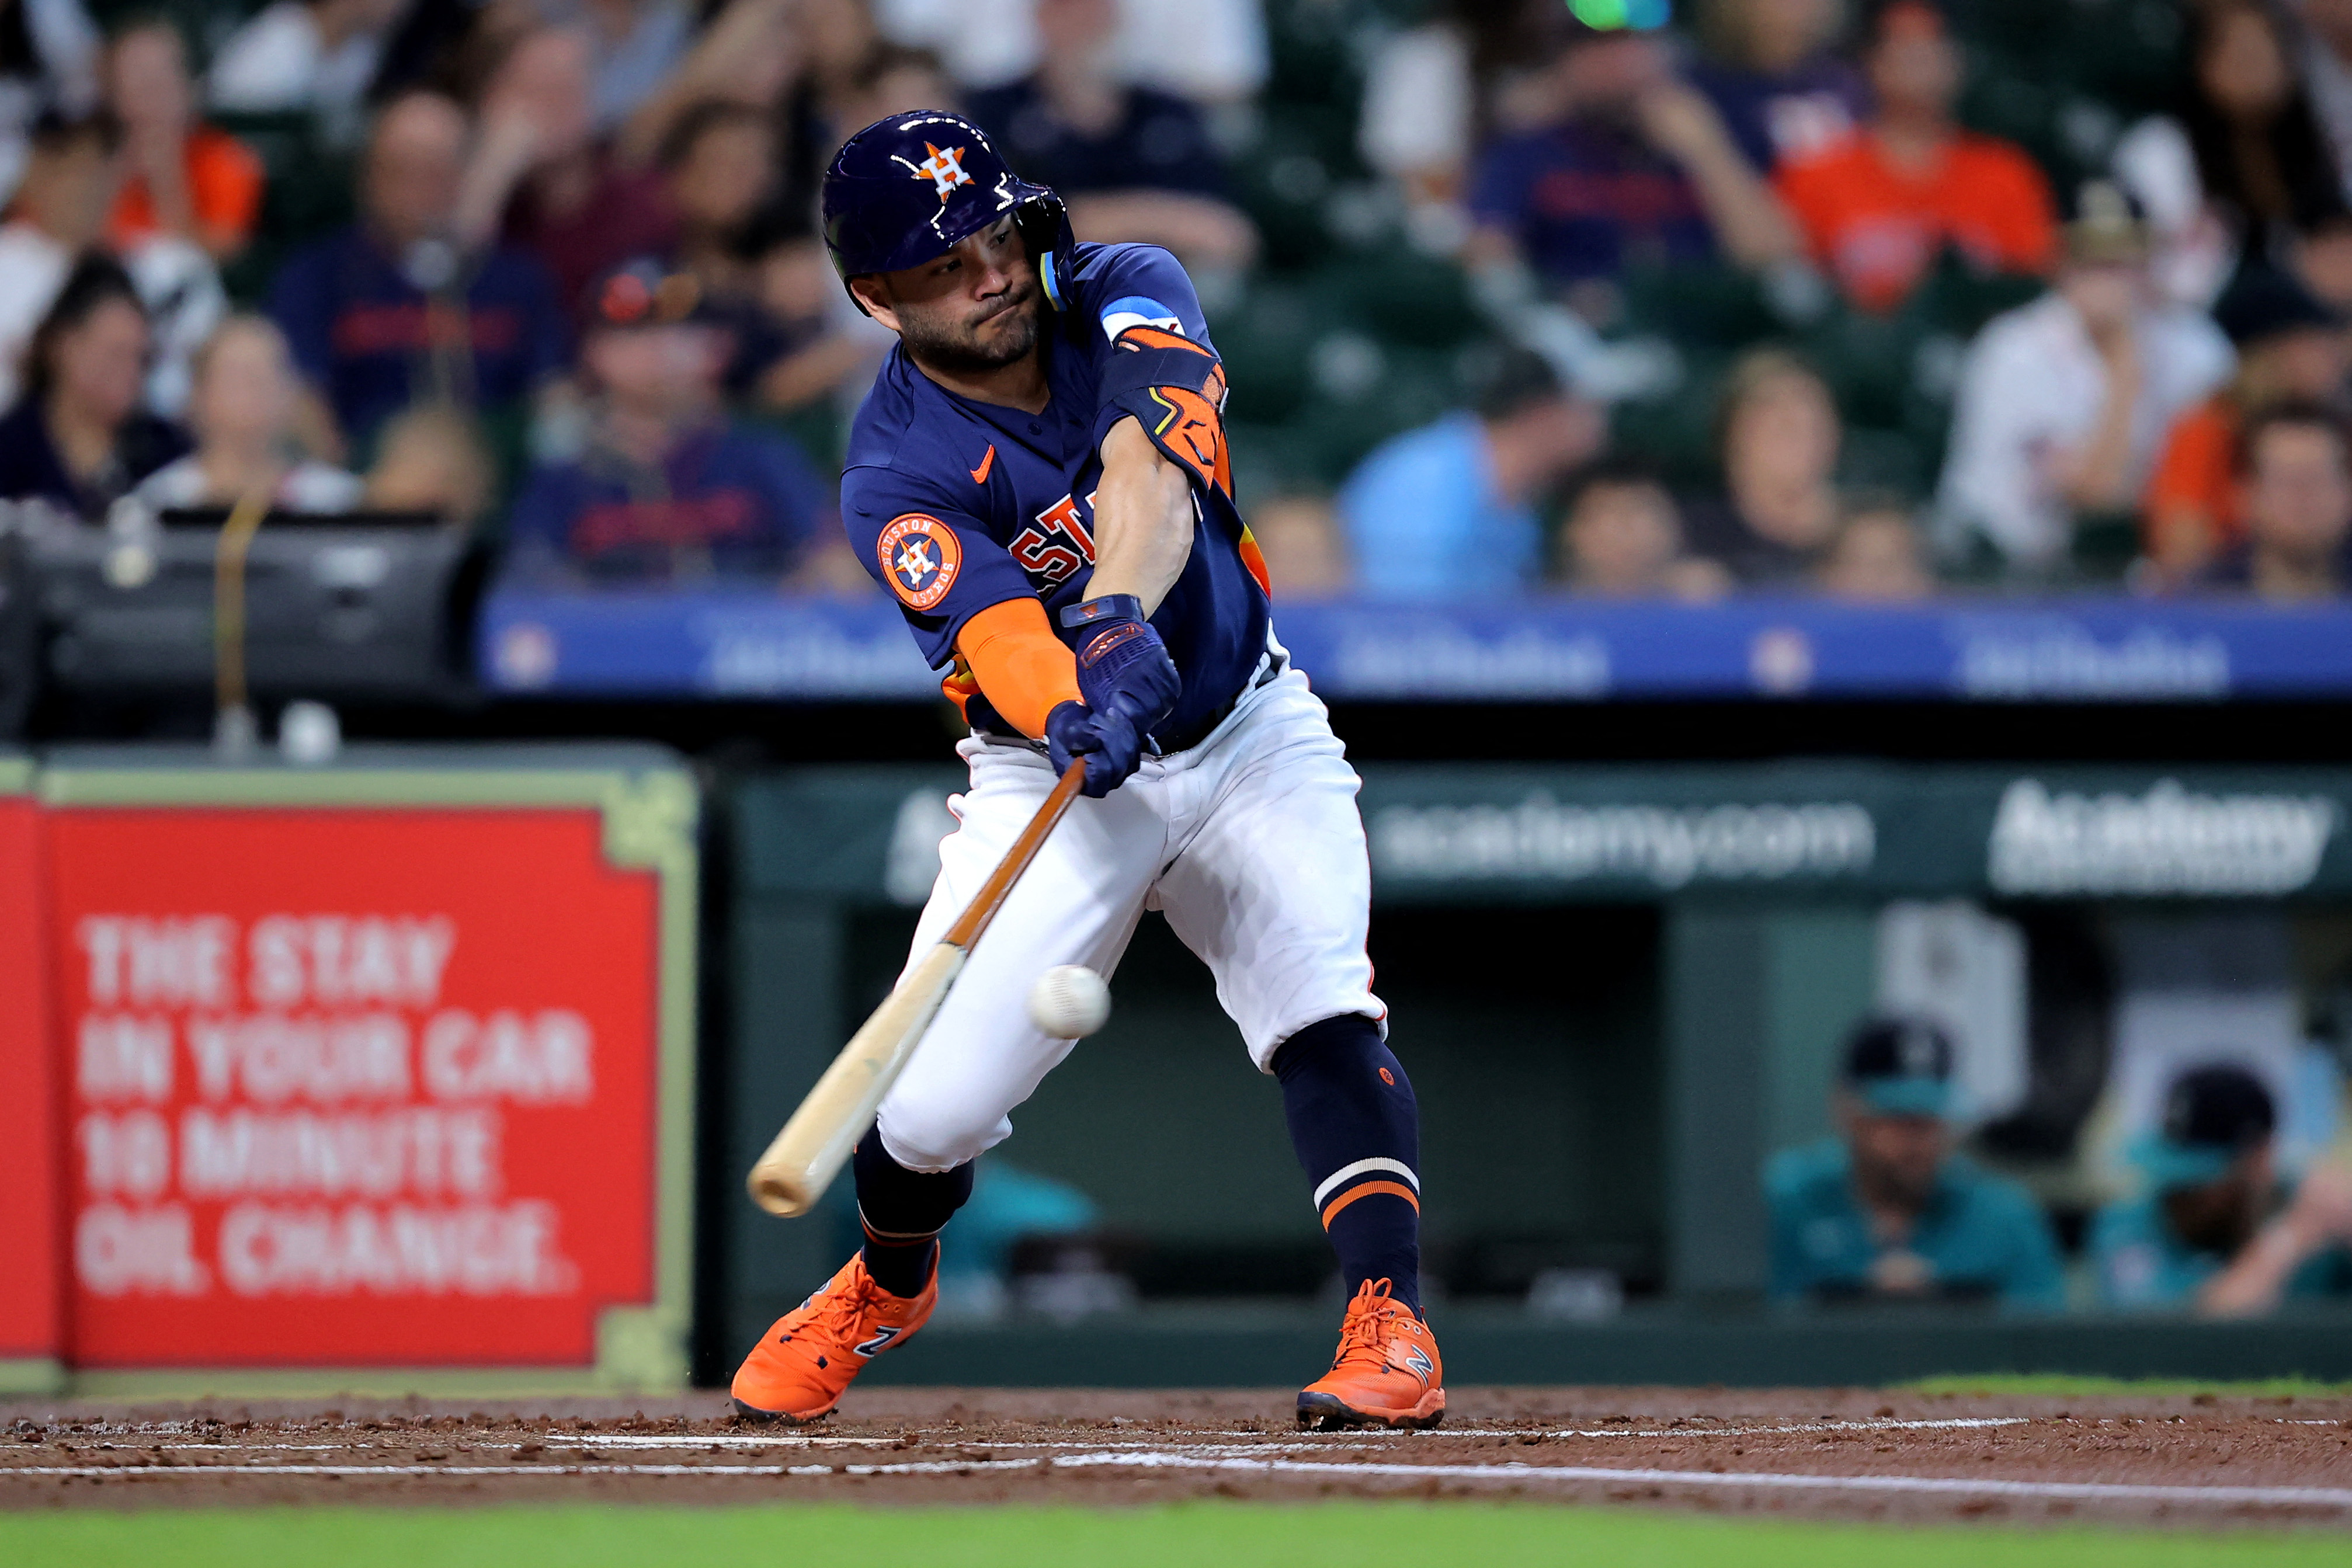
1266, 340
1403, 297
308, 193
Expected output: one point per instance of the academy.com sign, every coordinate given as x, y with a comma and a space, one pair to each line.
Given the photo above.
2166, 842
1667, 847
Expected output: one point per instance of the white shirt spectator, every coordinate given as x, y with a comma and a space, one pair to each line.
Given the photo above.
2194, 251
185, 300
278, 62
66, 45
982, 43
2030, 393
306, 487
1419, 103
1213, 51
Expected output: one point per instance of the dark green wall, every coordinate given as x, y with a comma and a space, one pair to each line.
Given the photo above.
1529, 1037
1531, 1034
1615, 993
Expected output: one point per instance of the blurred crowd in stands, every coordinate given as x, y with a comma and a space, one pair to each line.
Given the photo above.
1874, 299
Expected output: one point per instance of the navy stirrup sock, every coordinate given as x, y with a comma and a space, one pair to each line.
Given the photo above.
1357, 1129
903, 1212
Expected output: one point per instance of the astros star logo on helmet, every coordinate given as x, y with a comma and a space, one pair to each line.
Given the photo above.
944, 169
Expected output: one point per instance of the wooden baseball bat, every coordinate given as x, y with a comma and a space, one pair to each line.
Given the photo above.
808, 1153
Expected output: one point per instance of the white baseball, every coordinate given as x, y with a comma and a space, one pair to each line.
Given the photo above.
1069, 1002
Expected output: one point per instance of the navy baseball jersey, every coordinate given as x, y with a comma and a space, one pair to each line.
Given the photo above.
956, 505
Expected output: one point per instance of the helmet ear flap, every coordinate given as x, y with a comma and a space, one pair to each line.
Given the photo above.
1045, 225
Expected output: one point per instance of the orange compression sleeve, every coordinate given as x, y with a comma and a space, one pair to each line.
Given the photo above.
1024, 670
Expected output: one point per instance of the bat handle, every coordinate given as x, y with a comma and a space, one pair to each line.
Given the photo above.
999, 886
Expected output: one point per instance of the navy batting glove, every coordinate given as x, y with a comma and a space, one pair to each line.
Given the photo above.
1123, 666
1107, 740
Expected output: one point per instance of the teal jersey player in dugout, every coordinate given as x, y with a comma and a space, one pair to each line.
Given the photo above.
1887, 1210
2216, 1231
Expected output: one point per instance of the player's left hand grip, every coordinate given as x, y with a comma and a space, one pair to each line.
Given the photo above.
1123, 665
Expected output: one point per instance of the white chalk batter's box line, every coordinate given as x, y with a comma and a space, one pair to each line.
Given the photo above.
428, 1437
683, 1441
1338, 1439
1514, 1473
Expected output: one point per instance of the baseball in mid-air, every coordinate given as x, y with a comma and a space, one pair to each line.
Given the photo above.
1069, 1001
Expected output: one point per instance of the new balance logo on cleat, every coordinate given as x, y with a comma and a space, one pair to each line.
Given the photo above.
801, 1370
1387, 1373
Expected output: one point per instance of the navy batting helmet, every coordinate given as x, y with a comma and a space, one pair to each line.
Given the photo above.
907, 189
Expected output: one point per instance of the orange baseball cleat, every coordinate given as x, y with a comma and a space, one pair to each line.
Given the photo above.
1387, 1374
802, 1366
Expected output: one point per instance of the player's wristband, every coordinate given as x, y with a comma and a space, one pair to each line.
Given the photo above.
1122, 663
1110, 607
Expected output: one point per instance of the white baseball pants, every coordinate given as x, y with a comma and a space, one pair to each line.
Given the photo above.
1251, 843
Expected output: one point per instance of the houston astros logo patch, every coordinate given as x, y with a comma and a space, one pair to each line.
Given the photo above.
920, 557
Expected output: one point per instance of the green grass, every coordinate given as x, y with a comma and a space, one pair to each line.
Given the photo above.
1187, 1535
2066, 1385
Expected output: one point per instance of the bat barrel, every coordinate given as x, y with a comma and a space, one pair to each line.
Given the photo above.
786, 1194
816, 1142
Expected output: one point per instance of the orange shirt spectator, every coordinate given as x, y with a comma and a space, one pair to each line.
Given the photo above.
1878, 227
1879, 207
225, 181
2194, 477
2291, 349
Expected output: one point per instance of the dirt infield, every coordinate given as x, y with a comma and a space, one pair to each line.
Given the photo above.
1822, 1453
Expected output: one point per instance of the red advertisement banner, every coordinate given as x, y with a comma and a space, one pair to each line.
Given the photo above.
351, 1087
31, 1293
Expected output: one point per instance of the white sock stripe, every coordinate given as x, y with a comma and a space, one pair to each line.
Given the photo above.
1345, 1174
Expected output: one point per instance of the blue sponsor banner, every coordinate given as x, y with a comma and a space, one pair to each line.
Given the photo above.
712, 643
746, 642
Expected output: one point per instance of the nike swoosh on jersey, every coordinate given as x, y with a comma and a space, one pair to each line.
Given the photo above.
980, 475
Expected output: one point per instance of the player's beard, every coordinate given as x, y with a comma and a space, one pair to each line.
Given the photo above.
960, 350
1896, 1186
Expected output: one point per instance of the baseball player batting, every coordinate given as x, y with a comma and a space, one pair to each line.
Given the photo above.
1040, 476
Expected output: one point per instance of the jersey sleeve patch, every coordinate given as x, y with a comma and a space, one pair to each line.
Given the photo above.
920, 556
1135, 310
